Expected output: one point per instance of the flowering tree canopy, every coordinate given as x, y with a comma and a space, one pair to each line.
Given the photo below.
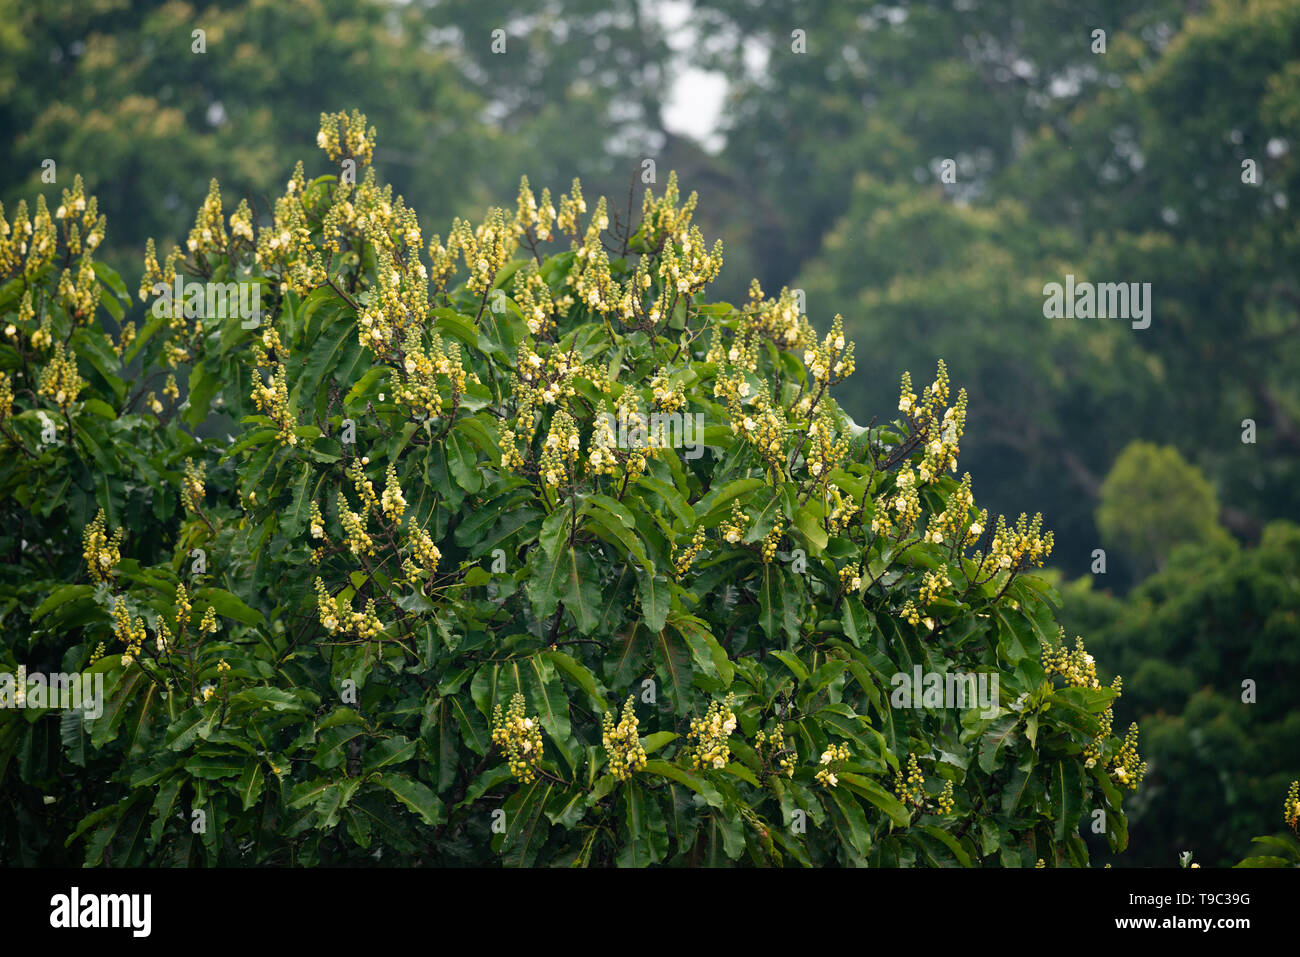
505, 547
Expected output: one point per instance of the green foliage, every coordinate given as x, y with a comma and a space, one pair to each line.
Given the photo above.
386, 615
1153, 500
1284, 850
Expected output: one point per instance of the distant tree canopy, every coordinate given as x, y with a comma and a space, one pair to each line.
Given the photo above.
1154, 500
1208, 650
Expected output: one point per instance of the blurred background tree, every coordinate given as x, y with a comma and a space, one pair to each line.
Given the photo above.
1154, 500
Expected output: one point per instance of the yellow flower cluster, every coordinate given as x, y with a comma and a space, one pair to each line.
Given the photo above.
622, 746
1291, 807
779, 319
367, 623
840, 509
683, 562
519, 736
152, 274
946, 801
1092, 753
192, 488
602, 457
43, 337
80, 214
130, 632
101, 552
175, 356
533, 296
572, 205
831, 759
560, 450
1128, 767
364, 625
941, 433
634, 460
1015, 548
398, 306
826, 450
272, 398
771, 542
486, 248
912, 615
953, 524
666, 219
531, 219
942, 449
79, 296
208, 237
164, 640
418, 387
764, 425
317, 523
665, 397
832, 361
910, 790
36, 239
386, 223
934, 585
541, 381
425, 555
126, 336
706, 741
183, 607
1077, 667
443, 260
631, 303
287, 243
775, 756
60, 381
346, 137
6, 396
241, 225
851, 577
686, 268
328, 609
393, 503
739, 356
901, 510
590, 277
354, 528
733, 529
